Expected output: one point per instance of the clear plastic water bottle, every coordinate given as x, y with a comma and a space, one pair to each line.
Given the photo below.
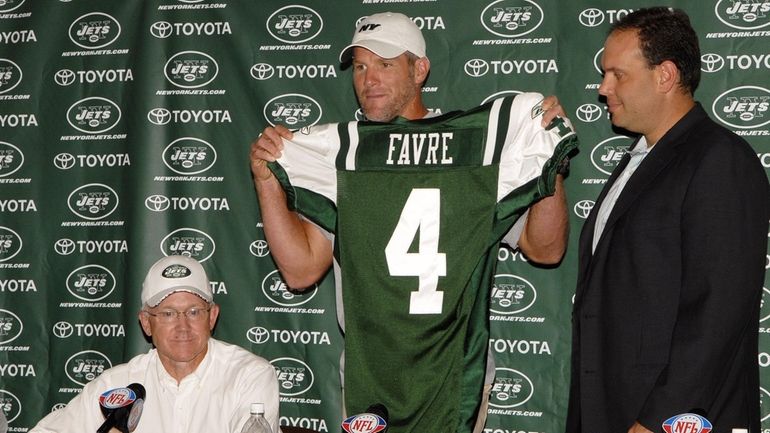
257, 422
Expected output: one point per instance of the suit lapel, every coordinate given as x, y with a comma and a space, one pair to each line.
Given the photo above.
650, 167
587, 232
660, 156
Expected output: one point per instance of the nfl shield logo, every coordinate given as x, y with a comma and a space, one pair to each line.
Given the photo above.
687, 423
364, 423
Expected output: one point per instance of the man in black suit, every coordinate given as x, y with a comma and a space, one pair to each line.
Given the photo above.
672, 257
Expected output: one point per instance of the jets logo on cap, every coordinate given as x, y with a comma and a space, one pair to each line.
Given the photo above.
368, 27
687, 423
176, 271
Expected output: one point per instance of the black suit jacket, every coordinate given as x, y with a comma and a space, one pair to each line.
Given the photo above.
666, 310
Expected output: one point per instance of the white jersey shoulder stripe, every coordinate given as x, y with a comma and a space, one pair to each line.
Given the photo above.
350, 158
309, 159
491, 143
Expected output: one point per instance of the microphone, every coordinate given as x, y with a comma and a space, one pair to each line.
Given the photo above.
374, 420
122, 408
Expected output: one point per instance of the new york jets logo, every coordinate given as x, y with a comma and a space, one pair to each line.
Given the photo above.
86, 366
189, 242
94, 30
276, 290
10, 405
293, 109
606, 155
511, 294
512, 18
8, 6
744, 15
91, 283
189, 155
93, 201
295, 24
10, 327
294, 376
743, 107
10, 244
10, 75
511, 388
93, 115
11, 159
191, 69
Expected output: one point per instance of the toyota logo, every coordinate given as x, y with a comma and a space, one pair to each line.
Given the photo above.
711, 62
583, 208
588, 113
159, 116
157, 203
476, 67
63, 329
64, 77
161, 29
64, 246
64, 161
259, 248
258, 335
262, 71
591, 17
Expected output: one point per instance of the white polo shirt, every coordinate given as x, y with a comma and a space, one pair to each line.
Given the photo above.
215, 398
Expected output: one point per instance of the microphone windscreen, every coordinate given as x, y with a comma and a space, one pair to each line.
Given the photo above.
138, 388
380, 410
136, 409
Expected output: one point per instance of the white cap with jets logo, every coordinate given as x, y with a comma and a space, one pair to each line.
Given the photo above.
175, 274
388, 35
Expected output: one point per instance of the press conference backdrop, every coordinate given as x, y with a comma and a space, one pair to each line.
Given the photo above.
124, 135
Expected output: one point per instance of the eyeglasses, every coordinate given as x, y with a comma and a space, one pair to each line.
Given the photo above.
169, 316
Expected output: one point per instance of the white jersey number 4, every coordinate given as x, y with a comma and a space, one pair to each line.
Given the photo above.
421, 212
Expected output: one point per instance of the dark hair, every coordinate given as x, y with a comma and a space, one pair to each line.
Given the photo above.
666, 34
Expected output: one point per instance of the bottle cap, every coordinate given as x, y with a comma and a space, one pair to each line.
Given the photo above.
257, 408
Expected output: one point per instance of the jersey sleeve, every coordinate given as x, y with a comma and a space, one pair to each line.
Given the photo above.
529, 147
307, 173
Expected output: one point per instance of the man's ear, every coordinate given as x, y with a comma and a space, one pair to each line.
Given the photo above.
144, 320
422, 68
667, 76
213, 314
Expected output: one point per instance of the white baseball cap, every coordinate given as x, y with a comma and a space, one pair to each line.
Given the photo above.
388, 35
175, 274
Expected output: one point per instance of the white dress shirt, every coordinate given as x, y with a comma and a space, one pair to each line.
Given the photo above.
214, 399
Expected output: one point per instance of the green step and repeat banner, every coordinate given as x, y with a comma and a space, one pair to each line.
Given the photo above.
124, 135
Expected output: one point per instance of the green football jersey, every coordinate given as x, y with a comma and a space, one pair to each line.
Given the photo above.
418, 209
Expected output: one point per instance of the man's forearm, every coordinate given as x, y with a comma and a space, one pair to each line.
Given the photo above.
301, 252
545, 235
